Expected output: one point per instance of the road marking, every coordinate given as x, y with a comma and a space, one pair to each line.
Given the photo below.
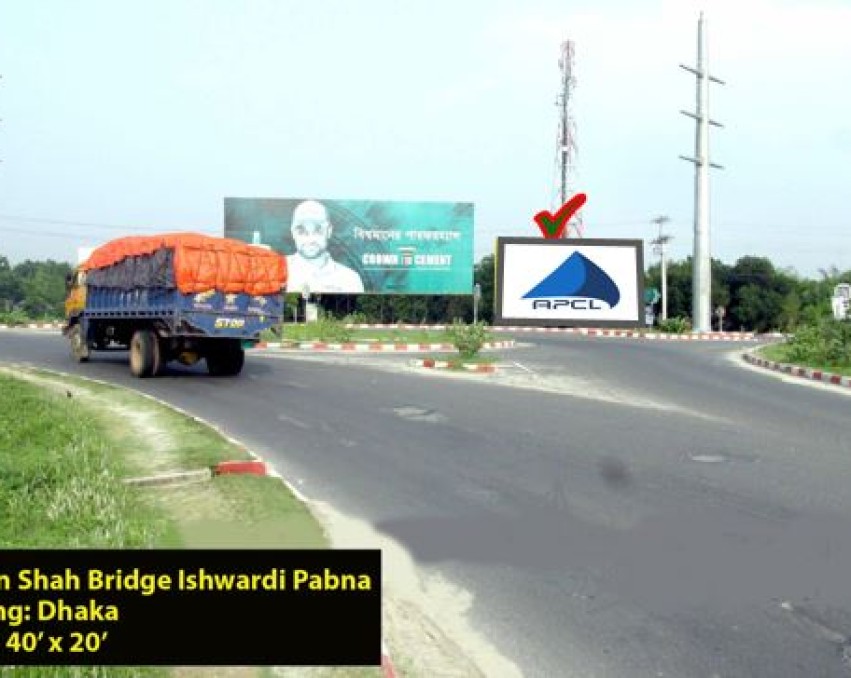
524, 368
295, 422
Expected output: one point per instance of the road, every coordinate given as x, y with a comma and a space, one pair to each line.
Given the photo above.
616, 507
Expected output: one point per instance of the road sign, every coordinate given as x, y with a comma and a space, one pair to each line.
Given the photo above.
651, 295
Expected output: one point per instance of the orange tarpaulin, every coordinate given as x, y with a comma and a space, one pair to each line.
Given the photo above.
203, 262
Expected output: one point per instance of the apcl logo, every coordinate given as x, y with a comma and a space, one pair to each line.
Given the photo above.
578, 283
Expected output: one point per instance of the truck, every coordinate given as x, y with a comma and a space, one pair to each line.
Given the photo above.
182, 297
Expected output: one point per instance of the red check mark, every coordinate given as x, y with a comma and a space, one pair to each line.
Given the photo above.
553, 225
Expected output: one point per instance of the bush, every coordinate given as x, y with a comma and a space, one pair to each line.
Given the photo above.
356, 318
468, 339
828, 341
323, 329
678, 325
14, 318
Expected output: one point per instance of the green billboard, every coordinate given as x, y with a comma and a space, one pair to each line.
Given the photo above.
362, 246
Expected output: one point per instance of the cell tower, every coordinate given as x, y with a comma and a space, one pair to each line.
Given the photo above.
566, 154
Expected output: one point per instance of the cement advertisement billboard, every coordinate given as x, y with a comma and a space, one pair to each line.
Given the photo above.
569, 282
362, 246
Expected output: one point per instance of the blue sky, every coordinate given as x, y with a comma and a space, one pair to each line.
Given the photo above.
121, 118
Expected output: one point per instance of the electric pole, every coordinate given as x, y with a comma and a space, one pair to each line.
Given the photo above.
567, 134
702, 261
659, 248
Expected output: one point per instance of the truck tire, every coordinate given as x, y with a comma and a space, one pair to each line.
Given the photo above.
144, 354
225, 358
79, 349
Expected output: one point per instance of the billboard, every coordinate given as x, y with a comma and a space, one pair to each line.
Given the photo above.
569, 282
362, 246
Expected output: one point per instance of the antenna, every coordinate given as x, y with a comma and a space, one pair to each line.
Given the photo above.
567, 134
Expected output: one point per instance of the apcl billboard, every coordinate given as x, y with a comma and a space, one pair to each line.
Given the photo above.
362, 246
569, 282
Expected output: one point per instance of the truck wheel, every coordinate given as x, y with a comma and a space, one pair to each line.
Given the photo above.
144, 354
79, 350
225, 358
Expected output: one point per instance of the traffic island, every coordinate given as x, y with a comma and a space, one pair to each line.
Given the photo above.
454, 365
374, 347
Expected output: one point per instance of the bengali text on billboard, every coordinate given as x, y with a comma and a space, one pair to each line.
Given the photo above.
362, 246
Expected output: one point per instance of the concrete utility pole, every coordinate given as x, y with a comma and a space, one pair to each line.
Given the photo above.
659, 248
702, 262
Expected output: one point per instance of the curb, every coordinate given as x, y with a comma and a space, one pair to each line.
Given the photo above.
588, 331
797, 371
375, 347
256, 463
175, 478
32, 326
387, 667
254, 467
445, 364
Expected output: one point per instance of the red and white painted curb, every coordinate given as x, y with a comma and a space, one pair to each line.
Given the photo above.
445, 364
376, 347
796, 371
32, 326
586, 331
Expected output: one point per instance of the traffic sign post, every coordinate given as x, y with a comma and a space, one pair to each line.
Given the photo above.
651, 296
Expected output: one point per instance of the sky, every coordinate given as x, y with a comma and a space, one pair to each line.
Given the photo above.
123, 118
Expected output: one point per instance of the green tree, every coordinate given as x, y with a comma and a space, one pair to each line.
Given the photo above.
10, 289
485, 275
42, 285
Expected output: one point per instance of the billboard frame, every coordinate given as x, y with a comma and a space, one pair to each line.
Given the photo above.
347, 250
499, 265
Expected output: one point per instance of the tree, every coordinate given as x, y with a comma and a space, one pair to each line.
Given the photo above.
10, 290
484, 275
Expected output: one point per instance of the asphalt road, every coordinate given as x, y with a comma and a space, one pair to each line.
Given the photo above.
635, 509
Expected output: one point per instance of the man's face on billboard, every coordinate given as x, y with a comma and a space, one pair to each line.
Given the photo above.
311, 237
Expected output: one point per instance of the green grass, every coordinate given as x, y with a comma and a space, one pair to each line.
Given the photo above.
779, 352
298, 333
85, 672
60, 479
62, 461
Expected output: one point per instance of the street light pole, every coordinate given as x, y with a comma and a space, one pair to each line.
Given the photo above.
660, 243
477, 294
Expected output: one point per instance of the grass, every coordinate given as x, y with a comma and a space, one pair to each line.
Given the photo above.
391, 336
66, 444
779, 352
60, 480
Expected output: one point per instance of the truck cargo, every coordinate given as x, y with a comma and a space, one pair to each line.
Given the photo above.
180, 297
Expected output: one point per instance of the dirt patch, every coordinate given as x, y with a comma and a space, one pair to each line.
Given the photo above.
127, 424
425, 618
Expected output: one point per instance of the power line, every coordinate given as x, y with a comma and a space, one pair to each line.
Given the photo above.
87, 224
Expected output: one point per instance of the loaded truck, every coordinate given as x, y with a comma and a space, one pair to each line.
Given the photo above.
182, 297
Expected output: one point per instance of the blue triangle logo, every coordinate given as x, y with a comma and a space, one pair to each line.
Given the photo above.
577, 276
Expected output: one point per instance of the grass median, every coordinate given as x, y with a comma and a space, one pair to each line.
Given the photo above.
781, 353
68, 445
